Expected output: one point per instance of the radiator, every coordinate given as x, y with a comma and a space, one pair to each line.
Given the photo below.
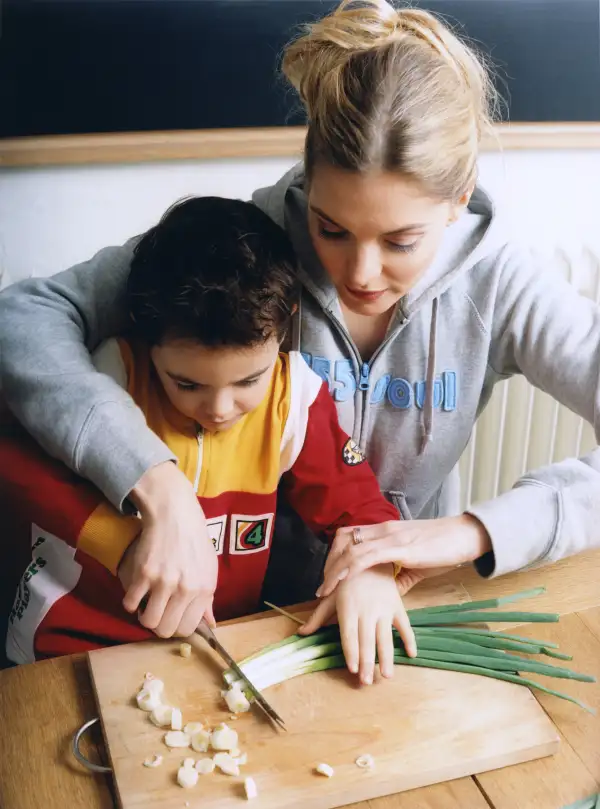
504, 444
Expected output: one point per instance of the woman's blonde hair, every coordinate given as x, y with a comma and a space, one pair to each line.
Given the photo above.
394, 90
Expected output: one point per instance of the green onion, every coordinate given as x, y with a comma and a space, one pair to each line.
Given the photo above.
510, 663
487, 633
457, 617
442, 642
470, 606
495, 641
338, 661
488, 648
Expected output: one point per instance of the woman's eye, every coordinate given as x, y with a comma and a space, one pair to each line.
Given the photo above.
404, 248
248, 383
187, 386
325, 233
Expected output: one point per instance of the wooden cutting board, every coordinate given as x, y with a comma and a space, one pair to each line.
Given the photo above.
423, 727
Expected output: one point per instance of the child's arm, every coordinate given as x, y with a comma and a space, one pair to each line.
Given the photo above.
331, 486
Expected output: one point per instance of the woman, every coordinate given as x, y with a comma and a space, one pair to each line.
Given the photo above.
413, 307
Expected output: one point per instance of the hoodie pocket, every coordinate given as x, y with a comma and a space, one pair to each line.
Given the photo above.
398, 499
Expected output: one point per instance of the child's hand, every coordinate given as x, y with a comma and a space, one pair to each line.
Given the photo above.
172, 566
367, 608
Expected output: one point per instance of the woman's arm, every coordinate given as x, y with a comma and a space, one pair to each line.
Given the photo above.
544, 329
47, 329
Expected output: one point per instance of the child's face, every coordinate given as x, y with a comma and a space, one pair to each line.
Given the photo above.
215, 386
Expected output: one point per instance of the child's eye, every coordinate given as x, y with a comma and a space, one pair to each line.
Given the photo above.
186, 386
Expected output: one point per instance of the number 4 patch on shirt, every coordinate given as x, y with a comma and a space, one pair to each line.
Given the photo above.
250, 534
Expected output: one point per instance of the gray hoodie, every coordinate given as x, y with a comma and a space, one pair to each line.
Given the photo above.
481, 313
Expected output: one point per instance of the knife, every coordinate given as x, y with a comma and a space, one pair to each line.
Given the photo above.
209, 636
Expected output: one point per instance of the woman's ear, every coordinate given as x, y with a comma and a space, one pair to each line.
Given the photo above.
457, 207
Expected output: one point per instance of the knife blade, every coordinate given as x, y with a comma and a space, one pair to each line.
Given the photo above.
209, 636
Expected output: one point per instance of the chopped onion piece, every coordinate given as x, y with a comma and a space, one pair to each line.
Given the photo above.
176, 719
365, 762
148, 701
187, 777
188, 762
205, 766
241, 759
324, 769
250, 788
235, 698
223, 738
193, 727
201, 741
154, 685
161, 716
155, 761
185, 650
177, 738
226, 764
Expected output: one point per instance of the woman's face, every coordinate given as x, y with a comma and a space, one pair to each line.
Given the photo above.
375, 234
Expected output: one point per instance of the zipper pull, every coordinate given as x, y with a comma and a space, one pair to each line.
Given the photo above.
363, 382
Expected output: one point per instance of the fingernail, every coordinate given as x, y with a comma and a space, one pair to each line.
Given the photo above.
319, 592
353, 668
368, 679
343, 574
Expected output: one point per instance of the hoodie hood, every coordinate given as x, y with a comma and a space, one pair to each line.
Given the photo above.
408, 369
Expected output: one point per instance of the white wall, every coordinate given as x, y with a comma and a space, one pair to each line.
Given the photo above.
51, 218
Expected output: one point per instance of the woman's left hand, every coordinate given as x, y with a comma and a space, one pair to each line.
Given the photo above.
423, 547
367, 609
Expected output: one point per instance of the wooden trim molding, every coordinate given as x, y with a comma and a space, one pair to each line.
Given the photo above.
218, 144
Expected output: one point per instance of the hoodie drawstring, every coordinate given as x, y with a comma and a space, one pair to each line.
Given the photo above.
427, 417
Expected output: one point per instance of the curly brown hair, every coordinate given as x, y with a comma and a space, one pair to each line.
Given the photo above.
216, 271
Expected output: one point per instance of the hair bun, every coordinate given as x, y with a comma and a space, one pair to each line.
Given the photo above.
379, 81
354, 26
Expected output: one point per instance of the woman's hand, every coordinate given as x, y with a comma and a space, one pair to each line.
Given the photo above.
367, 609
173, 561
422, 547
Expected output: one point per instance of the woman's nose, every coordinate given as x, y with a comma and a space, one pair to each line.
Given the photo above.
365, 266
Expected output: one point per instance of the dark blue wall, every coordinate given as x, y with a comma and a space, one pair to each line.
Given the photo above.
77, 66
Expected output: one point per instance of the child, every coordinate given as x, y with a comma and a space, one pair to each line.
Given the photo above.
211, 295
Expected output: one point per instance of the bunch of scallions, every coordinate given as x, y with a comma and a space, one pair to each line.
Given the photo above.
444, 641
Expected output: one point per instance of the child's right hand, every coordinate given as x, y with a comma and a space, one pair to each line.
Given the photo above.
173, 562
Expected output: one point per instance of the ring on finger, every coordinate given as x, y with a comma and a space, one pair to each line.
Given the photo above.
356, 537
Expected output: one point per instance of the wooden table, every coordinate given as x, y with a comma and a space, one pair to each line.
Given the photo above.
41, 705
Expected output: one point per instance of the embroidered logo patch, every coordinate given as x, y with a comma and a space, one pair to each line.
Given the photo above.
250, 534
216, 531
351, 454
